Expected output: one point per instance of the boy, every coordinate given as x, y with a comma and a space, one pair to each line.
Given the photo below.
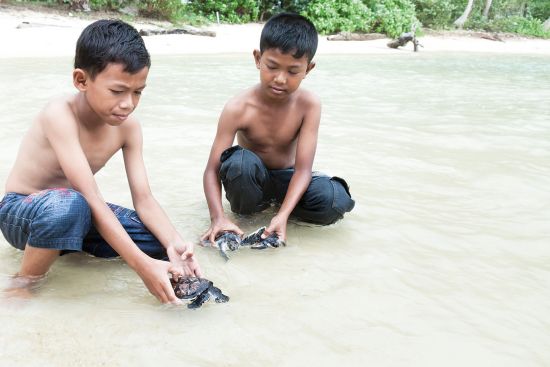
276, 125
53, 205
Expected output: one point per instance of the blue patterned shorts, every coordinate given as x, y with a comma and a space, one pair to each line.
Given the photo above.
60, 219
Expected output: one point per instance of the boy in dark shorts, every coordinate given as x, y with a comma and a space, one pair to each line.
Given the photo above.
276, 124
53, 204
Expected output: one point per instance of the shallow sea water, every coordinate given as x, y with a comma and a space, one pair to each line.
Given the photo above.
445, 260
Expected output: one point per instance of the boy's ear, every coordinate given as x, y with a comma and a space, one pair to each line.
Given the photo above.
80, 79
310, 67
257, 56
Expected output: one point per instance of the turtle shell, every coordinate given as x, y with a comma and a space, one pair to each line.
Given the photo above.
191, 287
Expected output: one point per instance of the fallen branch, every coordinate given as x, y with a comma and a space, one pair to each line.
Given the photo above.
406, 38
488, 36
403, 40
348, 36
185, 30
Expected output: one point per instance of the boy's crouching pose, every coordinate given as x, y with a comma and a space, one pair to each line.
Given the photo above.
52, 203
276, 125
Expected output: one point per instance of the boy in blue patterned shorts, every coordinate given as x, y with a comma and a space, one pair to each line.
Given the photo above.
53, 204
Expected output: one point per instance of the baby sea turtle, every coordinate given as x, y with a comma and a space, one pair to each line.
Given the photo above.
255, 241
228, 241
197, 290
231, 241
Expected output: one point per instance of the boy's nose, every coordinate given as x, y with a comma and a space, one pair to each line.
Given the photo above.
127, 103
280, 78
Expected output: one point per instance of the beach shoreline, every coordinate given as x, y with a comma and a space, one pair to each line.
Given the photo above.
41, 32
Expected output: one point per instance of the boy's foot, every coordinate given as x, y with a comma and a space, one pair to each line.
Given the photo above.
22, 286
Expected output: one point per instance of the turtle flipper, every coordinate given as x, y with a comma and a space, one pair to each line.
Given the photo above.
223, 251
253, 238
199, 301
228, 241
268, 242
219, 297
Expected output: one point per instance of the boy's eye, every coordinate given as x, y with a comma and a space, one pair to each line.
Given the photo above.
293, 72
271, 67
138, 92
116, 91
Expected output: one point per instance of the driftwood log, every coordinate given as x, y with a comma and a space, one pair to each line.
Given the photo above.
184, 30
406, 38
348, 36
488, 36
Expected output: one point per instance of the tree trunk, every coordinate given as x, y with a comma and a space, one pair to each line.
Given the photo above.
464, 17
79, 5
488, 4
546, 25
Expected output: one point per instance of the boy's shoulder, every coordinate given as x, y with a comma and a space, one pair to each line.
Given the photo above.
238, 104
303, 97
57, 111
307, 98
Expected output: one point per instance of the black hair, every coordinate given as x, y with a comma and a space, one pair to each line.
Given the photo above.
110, 41
290, 32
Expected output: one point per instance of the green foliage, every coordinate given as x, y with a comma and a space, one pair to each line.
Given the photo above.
539, 9
162, 9
393, 17
233, 11
331, 16
438, 13
107, 4
526, 26
271, 7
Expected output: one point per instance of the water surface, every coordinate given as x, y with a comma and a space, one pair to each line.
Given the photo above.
443, 262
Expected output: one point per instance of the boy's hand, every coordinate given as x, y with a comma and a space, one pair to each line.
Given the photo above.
219, 226
183, 259
155, 275
278, 226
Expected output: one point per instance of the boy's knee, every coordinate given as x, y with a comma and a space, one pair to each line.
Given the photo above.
341, 201
67, 212
242, 164
243, 175
69, 206
327, 200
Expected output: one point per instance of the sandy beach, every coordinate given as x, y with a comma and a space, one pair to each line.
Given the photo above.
43, 33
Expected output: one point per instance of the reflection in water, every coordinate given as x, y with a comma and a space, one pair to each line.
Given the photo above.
444, 260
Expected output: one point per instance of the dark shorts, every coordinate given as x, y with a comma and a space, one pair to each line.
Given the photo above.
60, 219
251, 187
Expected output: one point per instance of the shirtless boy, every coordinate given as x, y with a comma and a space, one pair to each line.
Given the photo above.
276, 124
53, 205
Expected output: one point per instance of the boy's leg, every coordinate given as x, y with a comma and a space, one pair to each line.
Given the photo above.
95, 245
325, 201
43, 224
245, 179
37, 261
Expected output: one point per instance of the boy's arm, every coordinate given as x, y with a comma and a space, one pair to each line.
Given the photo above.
305, 153
179, 252
225, 134
61, 130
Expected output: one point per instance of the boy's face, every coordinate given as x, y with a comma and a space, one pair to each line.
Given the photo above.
280, 73
113, 94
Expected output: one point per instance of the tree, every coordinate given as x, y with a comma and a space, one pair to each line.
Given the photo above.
462, 19
79, 5
488, 4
